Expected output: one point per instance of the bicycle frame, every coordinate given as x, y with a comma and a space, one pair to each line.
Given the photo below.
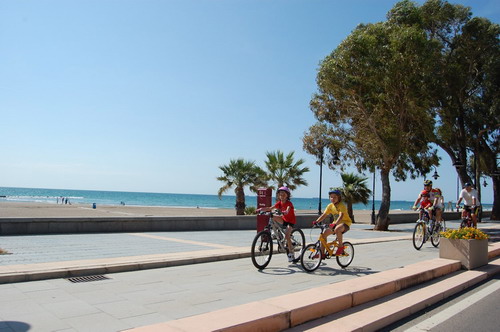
327, 245
425, 215
276, 230
312, 255
467, 218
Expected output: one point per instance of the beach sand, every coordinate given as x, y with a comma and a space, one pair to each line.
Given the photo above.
47, 210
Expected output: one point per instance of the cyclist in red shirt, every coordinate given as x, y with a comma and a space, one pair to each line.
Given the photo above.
434, 194
287, 217
426, 205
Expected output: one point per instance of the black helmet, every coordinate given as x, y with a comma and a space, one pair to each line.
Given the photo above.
427, 183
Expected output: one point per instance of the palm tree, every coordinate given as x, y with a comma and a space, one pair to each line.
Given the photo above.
240, 173
283, 170
354, 191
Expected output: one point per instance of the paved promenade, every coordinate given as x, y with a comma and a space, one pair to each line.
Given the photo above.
143, 296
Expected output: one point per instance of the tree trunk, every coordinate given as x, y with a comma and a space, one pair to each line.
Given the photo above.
495, 212
382, 223
350, 211
240, 201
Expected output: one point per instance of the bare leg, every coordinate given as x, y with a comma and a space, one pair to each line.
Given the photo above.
325, 234
474, 220
288, 236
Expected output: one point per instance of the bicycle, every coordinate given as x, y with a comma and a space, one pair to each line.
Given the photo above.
262, 244
312, 256
427, 228
466, 218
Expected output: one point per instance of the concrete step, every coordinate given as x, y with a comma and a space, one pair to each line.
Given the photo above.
382, 312
291, 310
282, 312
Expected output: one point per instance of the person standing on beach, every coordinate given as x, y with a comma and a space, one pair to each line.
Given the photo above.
341, 225
287, 217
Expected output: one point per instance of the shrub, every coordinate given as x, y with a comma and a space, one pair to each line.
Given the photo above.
466, 233
250, 210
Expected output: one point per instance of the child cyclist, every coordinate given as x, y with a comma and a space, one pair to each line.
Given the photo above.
425, 204
435, 195
343, 222
287, 218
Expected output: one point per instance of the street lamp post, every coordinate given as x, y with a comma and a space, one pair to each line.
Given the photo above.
458, 164
320, 179
373, 199
436, 175
335, 161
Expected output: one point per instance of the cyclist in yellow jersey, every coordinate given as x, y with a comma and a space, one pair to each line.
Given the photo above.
343, 222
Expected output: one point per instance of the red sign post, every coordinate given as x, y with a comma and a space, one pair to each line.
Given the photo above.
264, 199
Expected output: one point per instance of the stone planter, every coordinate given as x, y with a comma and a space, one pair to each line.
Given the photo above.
471, 253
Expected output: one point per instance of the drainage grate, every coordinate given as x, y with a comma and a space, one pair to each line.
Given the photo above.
87, 278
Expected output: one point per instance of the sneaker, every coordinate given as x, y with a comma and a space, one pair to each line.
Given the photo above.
340, 251
290, 258
317, 255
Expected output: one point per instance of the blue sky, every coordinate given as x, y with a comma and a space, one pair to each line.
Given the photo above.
153, 96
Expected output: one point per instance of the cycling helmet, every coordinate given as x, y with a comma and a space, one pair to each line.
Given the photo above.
468, 184
427, 183
336, 192
284, 189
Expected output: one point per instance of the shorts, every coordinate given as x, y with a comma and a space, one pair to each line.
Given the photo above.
468, 209
286, 224
346, 227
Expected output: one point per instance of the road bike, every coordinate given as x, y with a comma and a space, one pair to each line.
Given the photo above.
262, 244
466, 218
312, 256
427, 228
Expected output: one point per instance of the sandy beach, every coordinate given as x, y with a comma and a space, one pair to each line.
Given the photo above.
46, 210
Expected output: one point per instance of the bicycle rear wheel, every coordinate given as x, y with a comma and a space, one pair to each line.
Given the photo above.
310, 259
419, 235
298, 242
262, 249
346, 258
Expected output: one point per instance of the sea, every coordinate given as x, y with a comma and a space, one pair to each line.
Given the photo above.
55, 196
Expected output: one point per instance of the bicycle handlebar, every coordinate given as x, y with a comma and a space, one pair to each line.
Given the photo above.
270, 213
319, 224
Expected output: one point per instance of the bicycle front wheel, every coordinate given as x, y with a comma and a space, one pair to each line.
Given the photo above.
310, 259
262, 249
419, 235
435, 236
346, 258
298, 242
466, 222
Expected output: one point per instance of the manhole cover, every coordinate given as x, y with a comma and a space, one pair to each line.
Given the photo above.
87, 278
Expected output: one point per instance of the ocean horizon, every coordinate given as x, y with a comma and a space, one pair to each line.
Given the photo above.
101, 197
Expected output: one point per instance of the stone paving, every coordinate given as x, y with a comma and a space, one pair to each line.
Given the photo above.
132, 299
